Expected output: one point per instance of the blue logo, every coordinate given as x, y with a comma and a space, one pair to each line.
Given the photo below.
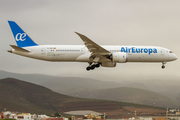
20, 37
138, 50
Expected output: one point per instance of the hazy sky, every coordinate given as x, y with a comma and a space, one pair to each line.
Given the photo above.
114, 22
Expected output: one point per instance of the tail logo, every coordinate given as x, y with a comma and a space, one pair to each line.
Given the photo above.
20, 37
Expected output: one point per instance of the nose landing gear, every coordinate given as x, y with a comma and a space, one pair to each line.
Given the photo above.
163, 66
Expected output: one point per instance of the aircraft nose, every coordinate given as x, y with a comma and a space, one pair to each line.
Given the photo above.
174, 57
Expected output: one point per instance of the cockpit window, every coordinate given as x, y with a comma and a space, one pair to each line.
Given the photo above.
170, 52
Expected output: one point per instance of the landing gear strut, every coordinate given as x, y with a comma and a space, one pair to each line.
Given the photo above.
163, 66
93, 66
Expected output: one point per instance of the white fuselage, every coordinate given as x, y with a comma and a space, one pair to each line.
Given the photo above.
80, 53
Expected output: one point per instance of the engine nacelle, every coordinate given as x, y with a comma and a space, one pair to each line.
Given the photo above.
108, 64
120, 57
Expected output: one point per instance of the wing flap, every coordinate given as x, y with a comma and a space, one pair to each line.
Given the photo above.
96, 59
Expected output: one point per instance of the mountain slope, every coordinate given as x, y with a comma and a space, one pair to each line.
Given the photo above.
64, 85
75, 86
16, 95
27, 95
132, 95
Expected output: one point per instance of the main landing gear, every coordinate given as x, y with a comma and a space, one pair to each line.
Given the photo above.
163, 66
93, 66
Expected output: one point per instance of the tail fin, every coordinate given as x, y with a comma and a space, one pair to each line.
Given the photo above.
21, 38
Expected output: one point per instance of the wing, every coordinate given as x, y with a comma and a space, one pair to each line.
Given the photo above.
97, 52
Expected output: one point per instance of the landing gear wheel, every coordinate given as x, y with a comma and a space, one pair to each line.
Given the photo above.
92, 67
163, 67
88, 68
97, 65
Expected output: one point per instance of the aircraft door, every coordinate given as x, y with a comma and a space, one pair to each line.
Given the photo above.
82, 50
43, 51
162, 52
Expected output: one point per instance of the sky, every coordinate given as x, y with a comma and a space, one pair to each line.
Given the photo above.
106, 22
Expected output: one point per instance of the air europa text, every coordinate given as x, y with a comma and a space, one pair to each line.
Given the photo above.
138, 50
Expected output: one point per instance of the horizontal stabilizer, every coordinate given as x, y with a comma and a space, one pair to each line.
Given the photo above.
19, 48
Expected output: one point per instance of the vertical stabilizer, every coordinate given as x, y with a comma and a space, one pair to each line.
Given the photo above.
21, 38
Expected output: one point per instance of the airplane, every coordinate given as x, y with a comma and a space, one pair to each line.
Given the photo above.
92, 53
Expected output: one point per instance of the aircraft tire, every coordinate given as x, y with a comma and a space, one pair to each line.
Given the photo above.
88, 68
97, 65
163, 67
92, 67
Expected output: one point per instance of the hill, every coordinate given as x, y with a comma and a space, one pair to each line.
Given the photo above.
16, 95
29, 95
74, 86
131, 95
64, 85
